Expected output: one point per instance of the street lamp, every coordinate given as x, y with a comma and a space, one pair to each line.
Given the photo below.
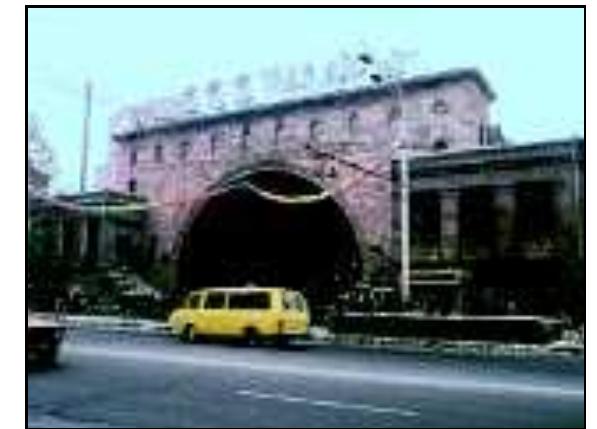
405, 294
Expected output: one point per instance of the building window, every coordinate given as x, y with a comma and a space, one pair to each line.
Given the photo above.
245, 133
278, 128
425, 227
394, 114
440, 144
477, 220
315, 129
158, 153
483, 135
535, 217
353, 123
185, 147
132, 186
440, 107
133, 157
213, 143
246, 129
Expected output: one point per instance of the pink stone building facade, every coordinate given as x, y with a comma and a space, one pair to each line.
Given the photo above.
175, 163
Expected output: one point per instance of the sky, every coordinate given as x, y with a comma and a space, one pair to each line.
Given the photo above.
532, 58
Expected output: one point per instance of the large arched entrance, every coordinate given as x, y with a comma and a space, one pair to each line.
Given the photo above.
271, 227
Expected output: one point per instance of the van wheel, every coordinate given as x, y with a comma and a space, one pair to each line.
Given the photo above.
251, 336
188, 334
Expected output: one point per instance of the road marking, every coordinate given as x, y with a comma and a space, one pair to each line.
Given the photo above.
490, 386
280, 397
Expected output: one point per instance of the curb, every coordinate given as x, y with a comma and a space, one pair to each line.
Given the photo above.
116, 325
322, 338
460, 348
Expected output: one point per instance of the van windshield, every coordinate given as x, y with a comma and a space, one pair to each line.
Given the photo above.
249, 301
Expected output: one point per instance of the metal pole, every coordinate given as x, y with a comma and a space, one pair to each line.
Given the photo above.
404, 227
404, 209
85, 148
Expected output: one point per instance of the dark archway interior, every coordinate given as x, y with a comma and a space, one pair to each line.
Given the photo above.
241, 236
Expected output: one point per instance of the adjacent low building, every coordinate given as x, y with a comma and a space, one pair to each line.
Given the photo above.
511, 217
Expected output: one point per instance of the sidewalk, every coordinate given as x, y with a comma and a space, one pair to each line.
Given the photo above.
459, 348
320, 336
116, 324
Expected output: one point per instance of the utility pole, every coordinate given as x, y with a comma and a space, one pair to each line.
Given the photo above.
85, 142
404, 207
404, 227
84, 240
401, 147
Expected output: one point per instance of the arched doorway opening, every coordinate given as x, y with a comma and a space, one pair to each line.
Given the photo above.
271, 227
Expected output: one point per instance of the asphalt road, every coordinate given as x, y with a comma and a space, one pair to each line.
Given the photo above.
125, 381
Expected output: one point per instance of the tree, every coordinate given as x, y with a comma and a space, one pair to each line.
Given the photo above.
40, 158
47, 269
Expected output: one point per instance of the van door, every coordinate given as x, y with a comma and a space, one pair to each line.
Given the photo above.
193, 310
214, 313
250, 310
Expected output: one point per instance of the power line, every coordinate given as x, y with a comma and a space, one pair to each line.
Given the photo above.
352, 164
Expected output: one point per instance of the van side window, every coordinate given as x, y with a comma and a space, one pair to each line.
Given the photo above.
293, 301
287, 301
249, 301
194, 301
215, 300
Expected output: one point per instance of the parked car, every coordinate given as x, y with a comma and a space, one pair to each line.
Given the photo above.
252, 313
44, 336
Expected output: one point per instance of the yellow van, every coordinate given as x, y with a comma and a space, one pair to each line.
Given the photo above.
249, 313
